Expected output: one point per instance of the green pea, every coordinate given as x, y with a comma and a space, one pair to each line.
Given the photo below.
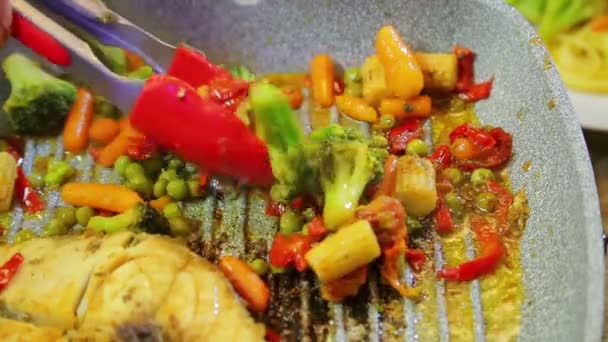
36, 179
179, 226
486, 201
194, 188
386, 122
142, 185
58, 172
169, 175
175, 164
308, 214
455, 176
172, 210
277, 269
83, 215
152, 165
259, 266
160, 188
417, 147
352, 74
379, 140
134, 171
24, 235
481, 176
290, 222
66, 215
54, 227
413, 224
121, 164
454, 202
177, 189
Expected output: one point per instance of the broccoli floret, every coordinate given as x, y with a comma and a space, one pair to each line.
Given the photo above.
39, 101
241, 72
344, 163
140, 218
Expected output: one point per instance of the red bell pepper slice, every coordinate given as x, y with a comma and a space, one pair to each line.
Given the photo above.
443, 218
25, 193
291, 249
39, 40
272, 336
495, 146
274, 209
492, 250
194, 68
415, 258
441, 157
228, 91
399, 136
9, 269
465, 85
170, 112
387, 185
141, 148
316, 229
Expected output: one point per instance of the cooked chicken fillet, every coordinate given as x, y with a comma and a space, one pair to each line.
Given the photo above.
121, 285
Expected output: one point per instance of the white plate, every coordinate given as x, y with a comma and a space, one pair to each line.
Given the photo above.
591, 109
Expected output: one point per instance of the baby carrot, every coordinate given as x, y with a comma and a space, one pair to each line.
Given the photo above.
246, 282
111, 197
322, 79
76, 129
104, 130
416, 107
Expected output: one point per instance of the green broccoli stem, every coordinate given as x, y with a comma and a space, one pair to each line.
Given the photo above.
118, 223
23, 72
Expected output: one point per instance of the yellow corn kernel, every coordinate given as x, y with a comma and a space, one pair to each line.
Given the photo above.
373, 81
8, 175
415, 185
322, 80
403, 75
351, 247
356, 108
440, 70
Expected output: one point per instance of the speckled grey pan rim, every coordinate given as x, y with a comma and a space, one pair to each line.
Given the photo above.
561, 249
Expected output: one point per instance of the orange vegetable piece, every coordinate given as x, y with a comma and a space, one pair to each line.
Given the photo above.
111, 197
356, 108
76, 129
294, 96
160, 203
246, 282
403, 75
600, 24
322, 79
118, 147
416, 107
134, 61
104, 130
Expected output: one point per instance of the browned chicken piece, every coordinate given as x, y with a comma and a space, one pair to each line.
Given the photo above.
121, 287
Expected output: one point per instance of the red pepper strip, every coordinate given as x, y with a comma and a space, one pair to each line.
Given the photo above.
272, 336
194, 68
291, 249
347, 286
466, 73
141, 148
387, 185
40, 41
415, 258
338, 86
492, 157
443, 218
9, 268
228, 91
441, 157
273, 208
492, 250
399, 136
478, 136
479, 91
170, 112
25, 193
505, 199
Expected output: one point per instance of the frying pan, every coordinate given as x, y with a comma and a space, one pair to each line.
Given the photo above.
561, 247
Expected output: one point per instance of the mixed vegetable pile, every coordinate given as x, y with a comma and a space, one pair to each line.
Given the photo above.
348, 196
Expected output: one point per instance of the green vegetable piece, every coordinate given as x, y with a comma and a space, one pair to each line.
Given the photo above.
417, 147
290, 222
241, 72
142, 73
385, 123
83, 215
141, 217
36, 179
455, 176
379, 140
481, 176
113, 57
39, 102
194, 188
413, 224
352, 75
134, 170
175, 164
177, 189
153, 165
120, 165
142, 185
160, 188
259, 266
454, 202
308, 214
486, 201
179, 226
172, 210
58, 172
23, 235
278, 270
105, 108
66, 215
54, 227
169, 175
